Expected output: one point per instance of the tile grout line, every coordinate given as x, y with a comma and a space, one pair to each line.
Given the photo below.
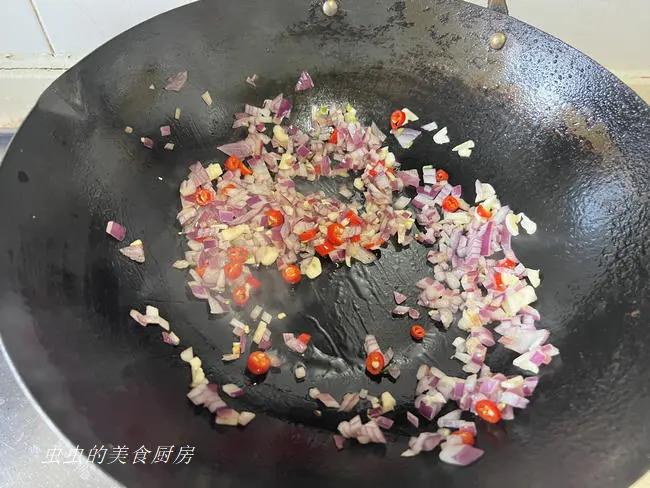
40, 23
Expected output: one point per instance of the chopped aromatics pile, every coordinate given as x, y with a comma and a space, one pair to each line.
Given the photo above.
248, 214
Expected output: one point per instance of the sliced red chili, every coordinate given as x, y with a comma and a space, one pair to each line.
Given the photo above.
232, 163
237, 254
466, 437
258, 362
375, 363
203, 197
488, 411
417, 332
483, 212
304, 338
353, 218
498, 281
254, 282
233, 270
375, 245
291, 274
450, 204
334, 138
224, 190
308, 235
442, 175
240, 295
274, 217
397, 119
325, 248
335, 234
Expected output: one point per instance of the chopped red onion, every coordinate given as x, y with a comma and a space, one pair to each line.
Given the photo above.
409, 177
165, 130
405, 136
426, 441
516, 401
460, 454
170, 338
293, 343
176, 82
521, 340
139, 318
399, 297
413, 419
394, 371
147, 142
116, 230
304, 82
384, 422
151, 317
251, 80
339, 441
451, 416
350, 400
402, 202
401, 310
240, 149
414, 314
204, 395
227, 416
371, 344
134, 251
388, 355
327, 400
232, 390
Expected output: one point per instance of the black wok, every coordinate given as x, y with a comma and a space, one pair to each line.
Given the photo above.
557, 135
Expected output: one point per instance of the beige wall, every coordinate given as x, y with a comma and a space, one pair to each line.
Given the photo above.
616, 33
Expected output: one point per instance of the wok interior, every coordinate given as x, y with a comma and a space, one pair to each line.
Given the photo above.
343, 305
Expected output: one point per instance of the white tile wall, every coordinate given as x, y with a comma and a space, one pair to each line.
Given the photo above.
79, 26
613, 33
20, 31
